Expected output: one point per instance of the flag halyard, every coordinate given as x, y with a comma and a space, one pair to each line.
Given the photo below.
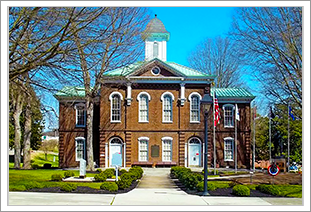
216, 112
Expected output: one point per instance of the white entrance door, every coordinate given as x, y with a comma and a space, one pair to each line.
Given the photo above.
115, 155
194, 154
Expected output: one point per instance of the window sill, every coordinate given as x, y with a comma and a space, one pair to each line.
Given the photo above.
167, 122
143, 121
80, 126
228, 126
229, 160
115, 121
195, 122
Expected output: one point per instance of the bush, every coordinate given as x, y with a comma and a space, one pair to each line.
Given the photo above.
101, 177
210, 172
68, 174
56, 177
210, 186
109, 186
33, 184
178, 171
98, 170
68, 187
233, 183
268, 189
35, 166
191, 180
125, 181
109, 172
241, 190
122, 171
136, 170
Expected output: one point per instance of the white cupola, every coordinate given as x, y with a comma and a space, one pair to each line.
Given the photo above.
155, 37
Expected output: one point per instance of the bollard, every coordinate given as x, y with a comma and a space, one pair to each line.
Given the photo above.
251, 177
117, 173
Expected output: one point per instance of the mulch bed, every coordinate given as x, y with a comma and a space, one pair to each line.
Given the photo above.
83, 189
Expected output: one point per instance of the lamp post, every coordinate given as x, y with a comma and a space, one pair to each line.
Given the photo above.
206, 103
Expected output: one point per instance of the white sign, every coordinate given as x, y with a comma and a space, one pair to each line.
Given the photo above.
82, 168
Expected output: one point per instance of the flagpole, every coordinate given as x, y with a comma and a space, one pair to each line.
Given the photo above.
270, 134
235, 140
254, 138
288, 137
214, 140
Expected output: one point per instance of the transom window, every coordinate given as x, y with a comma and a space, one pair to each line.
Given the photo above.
228, 115
167, 104
115, 102
143, 148
167, 149
80, 148
143, 99
195, 107
228, 149
80, 115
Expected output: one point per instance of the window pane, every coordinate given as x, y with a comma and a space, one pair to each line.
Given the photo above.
143, 150
116, 108
143, 108
195, 109
228, 149
167, 110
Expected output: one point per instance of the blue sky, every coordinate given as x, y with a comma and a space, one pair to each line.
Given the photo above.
188, 26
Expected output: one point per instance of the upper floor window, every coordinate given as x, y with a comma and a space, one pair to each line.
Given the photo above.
228, 115
80, 148
143, 148
228, 149
167, 106
194, 99
155, 49
143, 109
115, 105
80, 115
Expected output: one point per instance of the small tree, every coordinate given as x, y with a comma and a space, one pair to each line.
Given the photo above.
48, 146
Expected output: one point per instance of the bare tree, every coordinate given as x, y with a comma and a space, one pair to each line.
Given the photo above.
112, 41
218, 57
271, 40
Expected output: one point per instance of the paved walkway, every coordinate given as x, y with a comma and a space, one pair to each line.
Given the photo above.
155, 189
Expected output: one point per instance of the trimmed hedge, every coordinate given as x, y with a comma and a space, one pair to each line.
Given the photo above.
122, 171
56, 177
137, 171
101, 177
68, 187
31, 185
69, 174
109, 172
268, 189
241, 190
125, 181
210, 186
109, 186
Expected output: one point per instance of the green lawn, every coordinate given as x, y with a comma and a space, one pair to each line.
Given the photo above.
20, 179
38, 158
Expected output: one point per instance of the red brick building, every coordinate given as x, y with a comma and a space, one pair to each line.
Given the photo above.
149, 114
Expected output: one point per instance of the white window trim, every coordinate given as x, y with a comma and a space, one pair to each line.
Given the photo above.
171, 140
233, 114
80, 105
200, 98
84, 148
232, 140
154, 73
139, 140
162, 99
138, 99
110, 99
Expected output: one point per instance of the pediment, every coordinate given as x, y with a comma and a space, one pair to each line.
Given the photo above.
156, 68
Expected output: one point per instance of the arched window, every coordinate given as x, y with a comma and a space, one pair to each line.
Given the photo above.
80, 148
167, 106
80, 115
155, 49
143, 108
194, 99
228, 149
228, 115
143, 148
115, 105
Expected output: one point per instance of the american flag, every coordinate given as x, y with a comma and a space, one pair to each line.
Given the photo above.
216, 112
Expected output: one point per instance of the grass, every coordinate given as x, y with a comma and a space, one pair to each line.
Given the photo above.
233, 172
19, 180
38, 158
221, 184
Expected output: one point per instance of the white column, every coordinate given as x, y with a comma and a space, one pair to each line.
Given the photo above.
106, 155
182, 93
124, 155
186, 155
129, 94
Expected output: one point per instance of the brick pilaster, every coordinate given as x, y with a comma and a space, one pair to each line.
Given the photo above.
128, 141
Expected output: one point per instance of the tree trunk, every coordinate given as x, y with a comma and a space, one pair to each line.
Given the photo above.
17, 131
27, 135
45, 156
89, 139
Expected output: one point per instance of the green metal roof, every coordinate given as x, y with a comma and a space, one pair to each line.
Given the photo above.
232, 92
70, 91
182, 70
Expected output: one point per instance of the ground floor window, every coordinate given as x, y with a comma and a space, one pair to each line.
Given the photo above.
228, 149
80, 148
167, 149
143, 149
